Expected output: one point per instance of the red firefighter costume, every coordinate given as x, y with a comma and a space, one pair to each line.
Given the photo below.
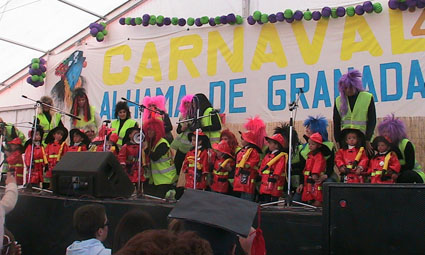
129, 157
83, 145
220, 173
273, 172
40, 161
202, 168
315, 164
78, 148
15, 162
379, 166
347, 158
54, 150
247, 161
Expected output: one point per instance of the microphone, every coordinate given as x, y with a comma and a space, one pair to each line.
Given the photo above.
123, 98
24, 96
107, 121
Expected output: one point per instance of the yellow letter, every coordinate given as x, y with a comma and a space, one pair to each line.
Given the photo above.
185, 55
399, 44
116, 78
149, 53
268, 35
349, 45
216, 43
310, 51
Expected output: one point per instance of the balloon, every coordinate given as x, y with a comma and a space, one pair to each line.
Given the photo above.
211, 21
264, 18
257, 15
340, 11
359, 10
307, 15
35, 66
204, 20
288, 13
316, 15
174, 20
167, 21
280, 16
223, 19
251, 20
350, 11
231, 18
43, 68
138, 21
198, 22
43, 61
190, 21
160, 19
182, 22
239, 19
298, 15
217, 20
94, 31
272, 18
146, 18
368, 6
333, 13
326, 12
127, 20
152, 20
35, 78
35, 60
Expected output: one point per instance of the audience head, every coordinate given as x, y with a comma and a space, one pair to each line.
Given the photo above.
90, 221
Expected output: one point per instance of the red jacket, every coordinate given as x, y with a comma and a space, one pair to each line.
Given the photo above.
376, 164
273, 178
16, 164
346, 158
40, 161
221, 175
315, 164
78, 148
54, 152
202, 170
129, 159
245, 177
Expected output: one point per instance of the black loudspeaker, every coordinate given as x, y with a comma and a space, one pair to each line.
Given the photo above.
98, 174
374, 219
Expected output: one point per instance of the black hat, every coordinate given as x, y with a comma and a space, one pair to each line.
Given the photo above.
346, 131
74, 131
379, 139
201, 136
126, 138
50, 138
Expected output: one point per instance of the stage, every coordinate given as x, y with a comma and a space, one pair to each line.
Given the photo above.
42, 223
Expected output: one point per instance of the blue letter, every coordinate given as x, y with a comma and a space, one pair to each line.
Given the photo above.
168, 97
415, 75
105, 108
337, 76
398, 82
233, 94
367, 81
222, 87
321, 85
182, 93
294, 90
279, 92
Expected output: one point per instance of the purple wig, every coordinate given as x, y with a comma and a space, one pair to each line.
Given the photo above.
350, 79
317, 124
393, 128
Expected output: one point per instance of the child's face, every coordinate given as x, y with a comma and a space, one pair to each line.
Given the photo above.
244, 143
58, 136
194, 141
81, 101
382, 147
77, 138
312, 145
108, 145
122, 114
351, 139
37, 137
273, 145
224, 138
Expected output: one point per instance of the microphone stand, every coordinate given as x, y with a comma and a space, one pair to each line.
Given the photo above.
37, 104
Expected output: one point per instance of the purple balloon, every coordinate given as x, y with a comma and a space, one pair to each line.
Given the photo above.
340, 11
43, 68
272, 18
99, 40
122, 21
421, 4
359, 10
259, 22
146, 17
38, 71
368, 6
133, 21
290, 20
39, 83
182, 22
211, 21
411, 3
298, 15
280, 17
145, 23
231, 18
223, 19
198, 22
326, 12
93, 31
29, 80
43, 61
403, 6
159, 24
393, 4
167, 21
32, 71
99, 27
250, 20
316, 15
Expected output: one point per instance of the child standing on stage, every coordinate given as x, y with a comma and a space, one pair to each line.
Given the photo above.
39, 158
384, 165
315, 166
55, 149
129, 155
202, 169
223, 165
79, 140
14, 159
351, 159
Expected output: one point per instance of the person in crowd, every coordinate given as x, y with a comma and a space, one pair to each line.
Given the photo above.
8, 132
354, 108
91, 223
223, 165
132, 223
81, 107
395, 131
315, 166
157, 104
7, 203
231, 140
157, 148
202, 163
384, 165
210, 125
47, 117
39, 157
14, 159
351, 158
123, 121
129, 155
91, 131
55, 150
79, 140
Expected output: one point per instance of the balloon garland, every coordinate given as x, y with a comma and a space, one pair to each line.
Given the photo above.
37, 71
403, 5
98, 30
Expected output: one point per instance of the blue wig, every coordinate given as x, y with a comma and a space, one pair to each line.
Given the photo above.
317, 124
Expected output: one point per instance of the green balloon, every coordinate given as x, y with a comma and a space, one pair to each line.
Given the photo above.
104, 32
350, 11
138, 20
217, 20
174, 20
377, 7
264, 18
152, 20
308, 15
288, 14
333, 13
43, 75
35, 78
160, 19
35, 60
103, 24
127, 20
100, 36
204, 19
35, 66
239, 19
190, 21
257, 15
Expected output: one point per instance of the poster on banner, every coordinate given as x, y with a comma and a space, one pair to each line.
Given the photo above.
252, 70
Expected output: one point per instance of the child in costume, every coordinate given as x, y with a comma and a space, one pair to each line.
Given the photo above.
129, 155
384, 165
55, 149
257, 126
351, 159
39, 160
202, 170
223, 165
232, 141
14, 159
315, 166
79, 140
157, 104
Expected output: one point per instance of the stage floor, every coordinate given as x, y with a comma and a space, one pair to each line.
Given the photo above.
42, 223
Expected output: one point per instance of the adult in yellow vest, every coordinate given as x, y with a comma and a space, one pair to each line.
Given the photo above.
122, 121
354, 109
8, 132
395, 130
210, 125
81, 107
47, 118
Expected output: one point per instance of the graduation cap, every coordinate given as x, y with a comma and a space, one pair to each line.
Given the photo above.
216, 217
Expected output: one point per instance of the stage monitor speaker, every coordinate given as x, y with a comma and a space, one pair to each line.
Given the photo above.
98, 174
374, 219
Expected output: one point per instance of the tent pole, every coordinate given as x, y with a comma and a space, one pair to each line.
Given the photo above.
83, 9
22, 45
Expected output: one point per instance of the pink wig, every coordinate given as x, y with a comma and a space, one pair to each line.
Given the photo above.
182, 108
393, 128
158, 101
257, 126
350, 79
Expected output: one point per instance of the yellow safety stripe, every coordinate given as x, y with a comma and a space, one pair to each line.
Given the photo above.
220, 173
266, 172
163, 171
17, 165
307, 173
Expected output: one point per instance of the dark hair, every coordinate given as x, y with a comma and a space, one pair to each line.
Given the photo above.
121, 105
202, 103
80, 93
132, 223
88, 219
